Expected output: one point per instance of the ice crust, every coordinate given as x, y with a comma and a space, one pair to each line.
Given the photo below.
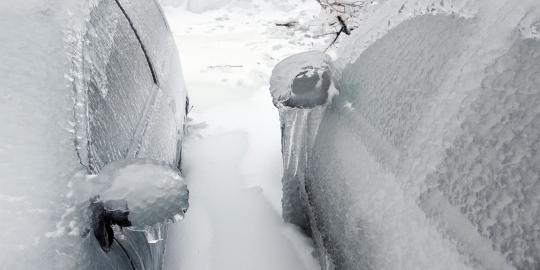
301, 87
302, 81
56, 68
154, 191
428, 157
147, 195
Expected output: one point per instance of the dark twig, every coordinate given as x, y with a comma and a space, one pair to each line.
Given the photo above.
333, 41
344, 29
287, 24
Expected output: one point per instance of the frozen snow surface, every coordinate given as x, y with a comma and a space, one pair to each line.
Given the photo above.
200, 6
197, 6
231, 159
429, 156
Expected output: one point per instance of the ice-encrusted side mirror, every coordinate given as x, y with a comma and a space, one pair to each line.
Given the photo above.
303, 80
139, 194
302, 87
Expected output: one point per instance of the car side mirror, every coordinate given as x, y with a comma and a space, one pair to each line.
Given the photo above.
136, 194
303, 81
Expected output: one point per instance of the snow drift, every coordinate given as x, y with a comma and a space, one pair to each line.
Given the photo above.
429, 156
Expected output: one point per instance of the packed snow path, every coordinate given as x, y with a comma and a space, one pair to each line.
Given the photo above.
232, 159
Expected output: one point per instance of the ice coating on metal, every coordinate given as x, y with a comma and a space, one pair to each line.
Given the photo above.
63, 63
428, 158
302, 81
301, 87
155, 192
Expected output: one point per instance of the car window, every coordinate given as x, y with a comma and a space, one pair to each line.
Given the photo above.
120, 83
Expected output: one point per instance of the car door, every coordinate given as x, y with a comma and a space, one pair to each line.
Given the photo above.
127, 116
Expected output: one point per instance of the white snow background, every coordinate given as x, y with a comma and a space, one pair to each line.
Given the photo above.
232, 159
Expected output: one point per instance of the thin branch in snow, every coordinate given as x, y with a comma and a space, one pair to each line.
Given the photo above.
288, 24
344, 29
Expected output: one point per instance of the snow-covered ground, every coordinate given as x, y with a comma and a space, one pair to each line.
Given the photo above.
232, 159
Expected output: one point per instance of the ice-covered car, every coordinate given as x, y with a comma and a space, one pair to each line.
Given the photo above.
429, 156
84, 84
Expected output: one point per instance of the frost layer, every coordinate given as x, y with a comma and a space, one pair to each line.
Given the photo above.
302, 81
429, 157
301, 87
77, 94
154, 192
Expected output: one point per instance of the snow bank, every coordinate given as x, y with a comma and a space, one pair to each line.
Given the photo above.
428, 158
230, 226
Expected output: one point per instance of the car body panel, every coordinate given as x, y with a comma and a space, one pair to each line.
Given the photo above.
78, 94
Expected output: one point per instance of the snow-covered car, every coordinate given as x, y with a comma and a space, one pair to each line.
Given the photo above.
84, 84
429, 156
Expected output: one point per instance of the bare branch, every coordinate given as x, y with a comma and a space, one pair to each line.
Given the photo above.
287, 24
344, 29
